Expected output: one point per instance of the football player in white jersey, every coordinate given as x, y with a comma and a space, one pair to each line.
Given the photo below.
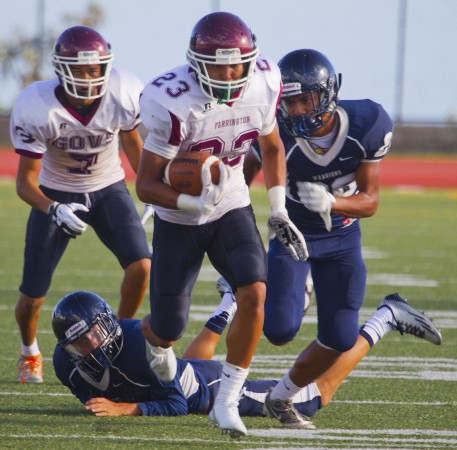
67, 132
223, 100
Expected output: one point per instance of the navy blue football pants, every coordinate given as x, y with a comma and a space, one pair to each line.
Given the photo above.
339, 276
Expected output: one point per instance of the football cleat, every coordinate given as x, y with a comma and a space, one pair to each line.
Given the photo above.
227, 418
285, 412
30, 369
223, 287
408, 320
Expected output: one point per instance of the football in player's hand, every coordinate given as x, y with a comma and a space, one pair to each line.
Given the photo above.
184, 172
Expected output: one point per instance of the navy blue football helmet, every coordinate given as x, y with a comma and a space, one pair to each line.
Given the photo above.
87, 331
308, 71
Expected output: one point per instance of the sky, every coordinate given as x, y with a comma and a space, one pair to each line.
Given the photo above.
360, 37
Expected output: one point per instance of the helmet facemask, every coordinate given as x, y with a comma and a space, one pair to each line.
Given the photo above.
324, 98
93, 347
92, 88
223, 91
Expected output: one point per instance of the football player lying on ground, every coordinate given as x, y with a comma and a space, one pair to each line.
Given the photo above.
103, 362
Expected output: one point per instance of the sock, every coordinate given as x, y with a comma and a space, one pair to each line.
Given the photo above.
30, 350
285, 389
232, 380
377, 326
162, 361
223, 314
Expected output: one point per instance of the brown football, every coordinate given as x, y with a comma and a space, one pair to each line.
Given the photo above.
183, 172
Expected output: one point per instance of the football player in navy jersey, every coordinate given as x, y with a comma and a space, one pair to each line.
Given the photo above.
223, 100
103, 362
70, 173
333, 150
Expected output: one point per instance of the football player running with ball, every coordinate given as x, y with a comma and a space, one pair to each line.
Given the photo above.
220, 102
67, 132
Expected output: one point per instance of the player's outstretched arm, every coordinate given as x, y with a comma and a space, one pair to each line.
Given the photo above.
101, 406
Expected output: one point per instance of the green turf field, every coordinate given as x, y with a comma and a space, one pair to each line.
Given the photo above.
402, 396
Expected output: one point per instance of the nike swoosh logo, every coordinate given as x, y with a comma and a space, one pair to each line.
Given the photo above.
226, 374
117, 385
344, 159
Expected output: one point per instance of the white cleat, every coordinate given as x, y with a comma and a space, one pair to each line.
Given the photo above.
162, 362
223, 287
227, 418
411, 321
228, 306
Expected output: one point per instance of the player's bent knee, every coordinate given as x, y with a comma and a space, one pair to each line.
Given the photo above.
278, 344
251, 297
140, 267
341, 345
280, 338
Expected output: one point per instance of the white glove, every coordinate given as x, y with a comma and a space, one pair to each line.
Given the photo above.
65, 218
147, 213
317, 199
211, 195
287, 233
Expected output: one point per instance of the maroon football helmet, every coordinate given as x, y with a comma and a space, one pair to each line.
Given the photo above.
82, 46
222, 38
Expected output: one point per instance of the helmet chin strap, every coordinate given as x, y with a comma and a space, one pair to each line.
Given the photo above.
224, 95
227, 95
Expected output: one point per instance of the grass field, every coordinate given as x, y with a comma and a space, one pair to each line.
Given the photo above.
402, 396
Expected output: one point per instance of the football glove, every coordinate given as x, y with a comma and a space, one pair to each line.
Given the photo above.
147, 213
65, 218
211, 194
317, 199
281, 227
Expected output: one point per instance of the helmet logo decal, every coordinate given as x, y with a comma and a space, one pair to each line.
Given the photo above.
228, 56
76, 330
88, 57
291, 87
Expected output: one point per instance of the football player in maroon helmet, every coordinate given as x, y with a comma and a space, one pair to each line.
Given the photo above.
71, 175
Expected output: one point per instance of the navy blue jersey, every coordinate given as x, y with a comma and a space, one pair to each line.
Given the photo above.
365, 131
130, 379
335, 258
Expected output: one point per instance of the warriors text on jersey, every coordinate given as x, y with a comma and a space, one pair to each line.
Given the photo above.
364, 136
180, 118
79, 154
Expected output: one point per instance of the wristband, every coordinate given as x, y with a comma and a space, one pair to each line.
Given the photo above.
277, 198
52, 207
187, 202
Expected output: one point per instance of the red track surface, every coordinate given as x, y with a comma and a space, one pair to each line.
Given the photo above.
395, 170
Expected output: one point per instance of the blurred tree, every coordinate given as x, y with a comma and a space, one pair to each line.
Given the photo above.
21, 57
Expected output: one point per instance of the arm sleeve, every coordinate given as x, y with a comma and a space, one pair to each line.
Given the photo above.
170, 402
